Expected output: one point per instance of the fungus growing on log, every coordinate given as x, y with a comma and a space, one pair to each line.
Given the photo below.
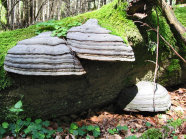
145, 96
42, 55
91, 41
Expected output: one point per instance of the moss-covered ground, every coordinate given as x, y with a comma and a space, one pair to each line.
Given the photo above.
111, 16
180, 14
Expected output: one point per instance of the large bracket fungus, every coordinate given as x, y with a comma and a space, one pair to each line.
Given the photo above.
145, 96
42, 55
91, 41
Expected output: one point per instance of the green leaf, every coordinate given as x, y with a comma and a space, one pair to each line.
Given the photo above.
111, 131
114, 129
122, 128
97, 128
18, 105
59, 129
5, 125
27, 131
73, 126
38, 121
28, 119
90, 128
148, 124
59, 34
96, 133
75, 132
2, 131
81, 132
132, 130
46, 123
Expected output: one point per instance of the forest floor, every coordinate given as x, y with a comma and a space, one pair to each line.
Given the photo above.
137, 123
107, 122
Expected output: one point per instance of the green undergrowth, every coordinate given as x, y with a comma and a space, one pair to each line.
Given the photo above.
111, 16
17, 127
180, 14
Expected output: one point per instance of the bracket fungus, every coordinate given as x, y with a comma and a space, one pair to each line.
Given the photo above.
91, 41
145, 96
42, 55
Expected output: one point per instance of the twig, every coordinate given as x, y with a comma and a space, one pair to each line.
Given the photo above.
145, 24
156, 67
157, 48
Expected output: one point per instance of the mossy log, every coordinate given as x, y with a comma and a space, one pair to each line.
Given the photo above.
49, 97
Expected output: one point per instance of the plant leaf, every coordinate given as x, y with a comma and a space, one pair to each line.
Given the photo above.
5, 125
73, 126
18, 105
38, 121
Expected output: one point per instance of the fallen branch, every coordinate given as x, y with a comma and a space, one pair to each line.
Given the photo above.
145, 24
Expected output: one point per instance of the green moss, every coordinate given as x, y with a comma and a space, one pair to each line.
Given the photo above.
180, 14
152, 133
174, 65
165, 31
112, 17
8, 40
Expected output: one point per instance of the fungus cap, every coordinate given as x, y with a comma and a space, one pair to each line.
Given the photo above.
91, 41
42, 55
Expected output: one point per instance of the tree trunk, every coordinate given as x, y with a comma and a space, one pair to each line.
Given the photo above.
180, 30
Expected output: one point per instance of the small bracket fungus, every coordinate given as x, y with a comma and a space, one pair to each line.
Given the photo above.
91, 41
42, 55
141, 98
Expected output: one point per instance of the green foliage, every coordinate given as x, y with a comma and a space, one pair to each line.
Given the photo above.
117, 129
58, 29
84, 130
5, 125
23, 128
38, 129
152, 133
148, 124
175, 123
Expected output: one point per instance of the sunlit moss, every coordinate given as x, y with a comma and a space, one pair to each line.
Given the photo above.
180, 14
9, 39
